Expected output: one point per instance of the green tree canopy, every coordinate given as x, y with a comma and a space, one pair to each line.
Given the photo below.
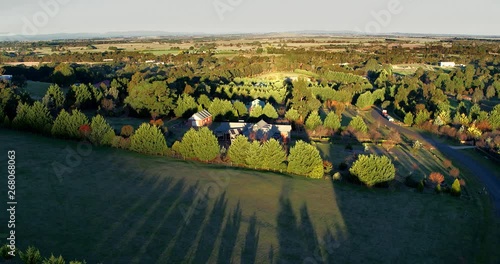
239, 149
272, 155
148, 139
200, 144
54, 97
332, 121
409, 119
292, 115
153, 97
241, 108
67, 125
35, 118
358, 124
313, 121
373, 169
186, 105
304, 159
270, 111
256, 111
101, 132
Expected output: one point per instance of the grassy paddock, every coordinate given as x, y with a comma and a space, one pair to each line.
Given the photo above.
120, 207
37, 90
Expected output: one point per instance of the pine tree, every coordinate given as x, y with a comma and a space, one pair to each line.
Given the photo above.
241, 108
101, 132
256, 111
455, 188
313, 121
186, 105
292, 115
332, 121
365, 100
207, 146
270, 111
254, 158
373, 169
408, 119
188, 144
273, 155
54, 97
35, 118
238, 151
304, 159
66, 125
149, 139
358, 124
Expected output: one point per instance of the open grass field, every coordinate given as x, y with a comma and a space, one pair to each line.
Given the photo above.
37, 90
121, 207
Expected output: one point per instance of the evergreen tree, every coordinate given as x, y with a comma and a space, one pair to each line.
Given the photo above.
313, 121
241, 108
455, 188
304, 159
422, 117
186, 105
373, 169
292, 115
35, 118
101, 132
31, 256
254, 158
256, 111
358, 124
494, 118
66, 125
149, 139
270, 111
273, 155
207, 146
365, 100
238, 151
204, 101
188, 144
54, 97
332, 121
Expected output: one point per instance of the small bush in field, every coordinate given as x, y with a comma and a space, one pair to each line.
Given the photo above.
454, 173
420, 186
436, 178
446, 163
455, 188
438, 188
127, 131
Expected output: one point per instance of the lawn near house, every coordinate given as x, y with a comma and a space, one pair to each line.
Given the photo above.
121, 207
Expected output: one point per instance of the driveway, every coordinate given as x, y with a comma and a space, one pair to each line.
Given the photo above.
485, 175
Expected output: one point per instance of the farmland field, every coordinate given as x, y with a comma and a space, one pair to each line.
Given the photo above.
122, 207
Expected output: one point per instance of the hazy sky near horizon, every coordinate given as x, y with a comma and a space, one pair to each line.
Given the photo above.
33, 17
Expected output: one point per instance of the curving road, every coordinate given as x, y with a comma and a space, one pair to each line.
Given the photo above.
485, 175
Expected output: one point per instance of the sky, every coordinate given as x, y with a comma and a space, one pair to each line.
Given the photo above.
35, 17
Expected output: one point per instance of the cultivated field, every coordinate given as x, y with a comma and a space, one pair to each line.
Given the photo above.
121, 207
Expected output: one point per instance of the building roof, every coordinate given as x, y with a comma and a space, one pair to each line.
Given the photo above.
201, 115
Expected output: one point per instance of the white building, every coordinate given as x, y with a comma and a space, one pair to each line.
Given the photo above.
447, 64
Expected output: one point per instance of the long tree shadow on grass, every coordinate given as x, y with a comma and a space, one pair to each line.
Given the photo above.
249, 252
229, 236
298, 241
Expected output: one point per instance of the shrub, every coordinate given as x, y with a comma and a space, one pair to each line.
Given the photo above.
373, 169
327, 167
455, 188
148, 139
54, 260
436, 178
454, 173
413, 180
31, 256
420, 186
4, 251
438, 188
337, 176
127, 131
447, 163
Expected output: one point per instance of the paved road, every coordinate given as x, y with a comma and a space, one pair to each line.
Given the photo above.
485, 175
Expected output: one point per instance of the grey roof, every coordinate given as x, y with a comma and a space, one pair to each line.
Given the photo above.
202, 115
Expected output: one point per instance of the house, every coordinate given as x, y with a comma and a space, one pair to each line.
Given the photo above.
447, 64
201, 119
260, 130
107, 60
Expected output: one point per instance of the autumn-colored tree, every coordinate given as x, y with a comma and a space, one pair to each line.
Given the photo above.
446, 163
436, 177
454, 172
127, 131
